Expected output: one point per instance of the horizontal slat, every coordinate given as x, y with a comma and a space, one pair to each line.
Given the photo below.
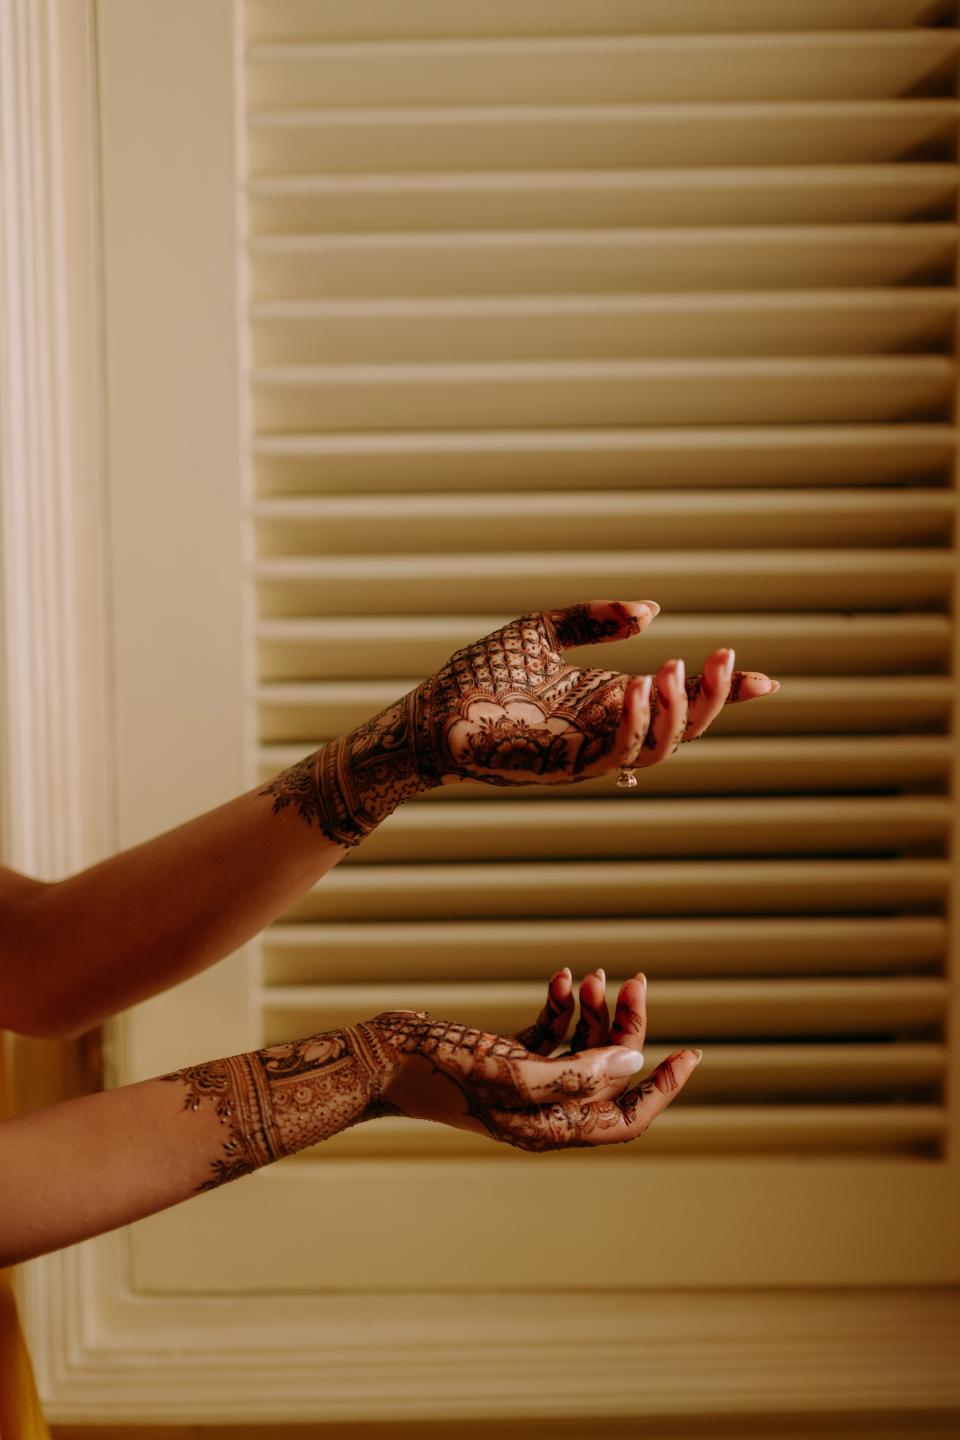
568, 199
603, 69
608, 828
605, 327
390, 646
716, 456
749, 766
379, 19
687, 1129
684, 1012
804, 705
734, 579
793, 132
620, 888
597, 520
595, 392
545, 262
404, 952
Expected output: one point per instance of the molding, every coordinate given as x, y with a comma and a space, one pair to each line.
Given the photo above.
498, 1357
55, 730
103, 1353
56, 813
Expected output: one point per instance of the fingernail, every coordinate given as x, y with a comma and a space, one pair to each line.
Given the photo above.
699, 1055
728, 662
776, 686
621, 1061
772, 685
679, 674
601, 975
651, 605
642, 978
567, 971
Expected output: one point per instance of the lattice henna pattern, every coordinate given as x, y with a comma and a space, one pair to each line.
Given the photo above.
276, 1101
504, 710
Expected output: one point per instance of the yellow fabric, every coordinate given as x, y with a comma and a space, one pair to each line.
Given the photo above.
20, 1415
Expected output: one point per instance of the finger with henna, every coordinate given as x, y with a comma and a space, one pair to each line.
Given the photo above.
594, 1023
551, 1025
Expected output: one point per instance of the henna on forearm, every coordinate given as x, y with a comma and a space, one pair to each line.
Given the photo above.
276, 1101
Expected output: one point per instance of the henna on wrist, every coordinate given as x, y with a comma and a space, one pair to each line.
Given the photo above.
276, 1101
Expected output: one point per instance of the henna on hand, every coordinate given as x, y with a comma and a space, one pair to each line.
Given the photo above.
504, 710
276, 1101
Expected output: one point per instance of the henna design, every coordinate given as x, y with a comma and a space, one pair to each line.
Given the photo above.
650, 739
626, 1021
568, 1126
592, 1017
504, 710
736, 681
576, 625
694, 684
549, 1027
508, 744
275, 1101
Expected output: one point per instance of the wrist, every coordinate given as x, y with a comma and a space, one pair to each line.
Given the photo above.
353, 783
363, 776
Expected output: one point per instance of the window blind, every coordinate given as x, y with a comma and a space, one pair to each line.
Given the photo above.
549, 302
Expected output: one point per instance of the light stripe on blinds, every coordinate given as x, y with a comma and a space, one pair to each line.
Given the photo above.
675, 290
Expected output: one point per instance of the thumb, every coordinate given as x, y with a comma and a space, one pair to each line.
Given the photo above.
599, 1074
597, 621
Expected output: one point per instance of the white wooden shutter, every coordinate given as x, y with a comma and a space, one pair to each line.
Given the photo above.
546, 302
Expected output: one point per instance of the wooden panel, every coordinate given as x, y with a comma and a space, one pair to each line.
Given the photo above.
604, 69
304, 332
800, 132
409, 951
492, 460
564, 198
377, 19
600, 262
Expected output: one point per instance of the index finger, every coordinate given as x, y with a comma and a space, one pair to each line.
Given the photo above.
596, 621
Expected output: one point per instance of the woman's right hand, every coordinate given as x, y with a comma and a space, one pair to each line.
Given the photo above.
500, 1086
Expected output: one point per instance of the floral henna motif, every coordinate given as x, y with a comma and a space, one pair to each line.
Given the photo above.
276, 1101
503, 710
570, 1125
354, 782
508, 744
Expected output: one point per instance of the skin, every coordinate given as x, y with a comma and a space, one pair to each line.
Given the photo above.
508, 709
153, 915
157, 1143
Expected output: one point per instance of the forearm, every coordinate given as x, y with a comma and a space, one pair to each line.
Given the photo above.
89, 1165
155, 914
